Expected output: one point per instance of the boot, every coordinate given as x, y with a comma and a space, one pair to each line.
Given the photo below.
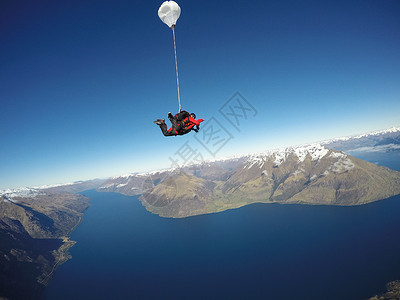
159, 121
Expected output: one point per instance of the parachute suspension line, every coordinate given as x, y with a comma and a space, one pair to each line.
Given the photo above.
176, 67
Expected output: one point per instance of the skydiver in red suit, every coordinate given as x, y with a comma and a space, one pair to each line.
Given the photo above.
182, 123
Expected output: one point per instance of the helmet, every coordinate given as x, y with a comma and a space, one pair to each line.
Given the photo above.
193, 115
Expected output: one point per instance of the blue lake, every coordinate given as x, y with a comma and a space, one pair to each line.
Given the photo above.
260, 251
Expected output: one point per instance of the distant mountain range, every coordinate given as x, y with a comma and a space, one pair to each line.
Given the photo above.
314, 174
310, 174
382, 140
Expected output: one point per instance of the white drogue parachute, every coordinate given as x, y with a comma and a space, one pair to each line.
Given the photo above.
169, 13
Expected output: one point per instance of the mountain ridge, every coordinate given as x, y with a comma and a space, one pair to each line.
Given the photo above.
376, 141
310, 174
329, 143
34, 239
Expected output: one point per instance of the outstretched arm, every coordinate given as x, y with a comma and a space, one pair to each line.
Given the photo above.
195, 122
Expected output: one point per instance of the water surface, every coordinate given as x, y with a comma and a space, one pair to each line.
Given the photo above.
264, 251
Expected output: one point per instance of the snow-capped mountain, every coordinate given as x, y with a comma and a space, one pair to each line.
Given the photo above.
29, 192
315, 151
310, 174
10, 194
373, 133
381, 140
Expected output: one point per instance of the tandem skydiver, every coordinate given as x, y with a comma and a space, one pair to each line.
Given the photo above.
182, 123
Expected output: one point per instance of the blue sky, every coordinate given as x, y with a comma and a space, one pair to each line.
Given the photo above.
82, 81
